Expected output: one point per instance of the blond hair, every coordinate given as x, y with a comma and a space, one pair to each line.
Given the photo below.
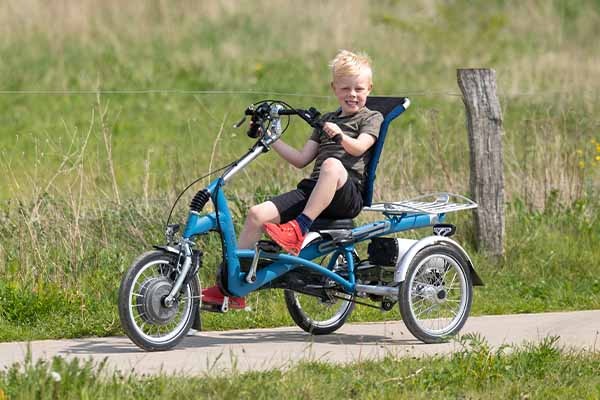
347, 63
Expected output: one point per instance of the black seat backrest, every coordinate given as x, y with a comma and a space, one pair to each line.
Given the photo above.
390, 108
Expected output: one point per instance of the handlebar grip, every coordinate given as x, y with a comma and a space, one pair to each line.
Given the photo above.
337, 138
287, 112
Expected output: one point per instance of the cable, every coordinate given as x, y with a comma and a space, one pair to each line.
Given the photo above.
156, 91
192, 184
222, 168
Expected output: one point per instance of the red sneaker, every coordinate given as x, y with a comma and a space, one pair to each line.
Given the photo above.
289, 235
213, 295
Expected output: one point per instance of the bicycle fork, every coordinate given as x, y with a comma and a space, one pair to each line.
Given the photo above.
186, 252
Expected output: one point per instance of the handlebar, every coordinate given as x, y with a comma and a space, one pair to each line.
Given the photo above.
267, 113
310, 114
288, 112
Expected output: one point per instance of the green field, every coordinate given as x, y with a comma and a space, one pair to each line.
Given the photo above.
108, 110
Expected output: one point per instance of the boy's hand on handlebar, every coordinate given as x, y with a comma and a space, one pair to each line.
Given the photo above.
333, 131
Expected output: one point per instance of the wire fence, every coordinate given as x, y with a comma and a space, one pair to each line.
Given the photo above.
402, 93
206, 92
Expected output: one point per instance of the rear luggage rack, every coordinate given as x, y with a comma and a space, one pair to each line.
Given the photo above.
433, 203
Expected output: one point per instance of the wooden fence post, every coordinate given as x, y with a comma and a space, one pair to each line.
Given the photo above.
484, 122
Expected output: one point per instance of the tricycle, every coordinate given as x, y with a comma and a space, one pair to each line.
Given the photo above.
431, 279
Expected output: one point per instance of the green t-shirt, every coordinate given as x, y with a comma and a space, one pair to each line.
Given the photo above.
364, 121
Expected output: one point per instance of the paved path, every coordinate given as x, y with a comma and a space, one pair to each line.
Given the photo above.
282, 347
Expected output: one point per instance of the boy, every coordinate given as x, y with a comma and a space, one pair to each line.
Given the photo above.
334, 188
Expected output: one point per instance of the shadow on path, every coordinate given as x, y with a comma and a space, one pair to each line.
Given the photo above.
216, 340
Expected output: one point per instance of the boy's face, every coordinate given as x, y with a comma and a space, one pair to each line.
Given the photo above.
352, 91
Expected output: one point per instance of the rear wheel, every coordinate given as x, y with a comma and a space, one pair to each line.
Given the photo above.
144, 317
321, 315
436, 296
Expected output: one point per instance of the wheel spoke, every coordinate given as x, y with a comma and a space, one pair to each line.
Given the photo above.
451, 284
426, 310
419, 300
421, 283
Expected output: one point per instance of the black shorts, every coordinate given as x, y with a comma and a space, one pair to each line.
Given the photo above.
347, 201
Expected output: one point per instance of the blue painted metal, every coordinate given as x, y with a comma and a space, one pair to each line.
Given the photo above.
378, 147
198, 224
283, 263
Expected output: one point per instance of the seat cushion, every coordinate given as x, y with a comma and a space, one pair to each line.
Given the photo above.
325, 224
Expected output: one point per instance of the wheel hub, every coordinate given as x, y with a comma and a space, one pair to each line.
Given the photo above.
434, 294
151, 302
441, 295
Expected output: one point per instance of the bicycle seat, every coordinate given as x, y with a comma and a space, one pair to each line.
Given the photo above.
321, 224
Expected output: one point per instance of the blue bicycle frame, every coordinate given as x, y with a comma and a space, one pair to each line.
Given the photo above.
222, 222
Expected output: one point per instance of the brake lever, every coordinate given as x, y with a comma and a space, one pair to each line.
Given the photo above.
240, 123
311, 116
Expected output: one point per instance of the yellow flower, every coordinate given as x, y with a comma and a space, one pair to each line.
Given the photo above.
581, 164
598, 148
579, 152
597, 158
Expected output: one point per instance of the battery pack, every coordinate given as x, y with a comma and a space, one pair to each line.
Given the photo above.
388, 251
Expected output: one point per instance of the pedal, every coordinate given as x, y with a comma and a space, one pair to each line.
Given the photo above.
225, 305
268, 246
216, 308
265, 246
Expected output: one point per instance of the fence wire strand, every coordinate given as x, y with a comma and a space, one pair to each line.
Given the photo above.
215, 92
207, 92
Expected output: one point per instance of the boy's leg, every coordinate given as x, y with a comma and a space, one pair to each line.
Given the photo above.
290, 235
333, 176
250, 234
257, 216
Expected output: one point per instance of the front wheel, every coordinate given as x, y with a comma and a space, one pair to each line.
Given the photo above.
144, 317
321, 315
436, 296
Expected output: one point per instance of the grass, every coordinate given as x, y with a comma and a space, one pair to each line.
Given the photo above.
88, 176
76, 295
533, 371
